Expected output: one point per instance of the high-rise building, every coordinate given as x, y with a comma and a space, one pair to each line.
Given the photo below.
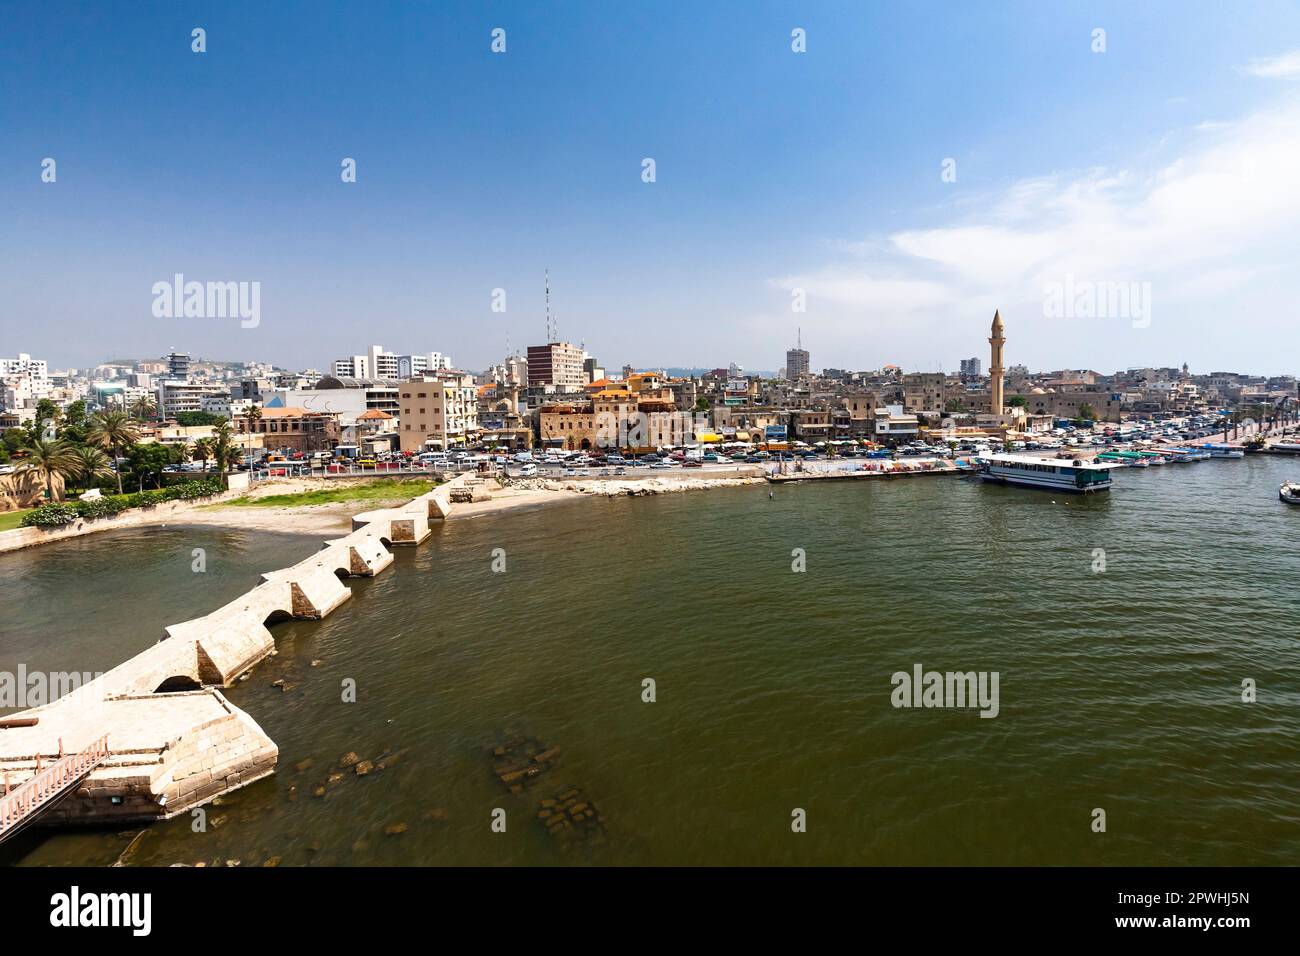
556, 363
796, 360
970, 368
178, 366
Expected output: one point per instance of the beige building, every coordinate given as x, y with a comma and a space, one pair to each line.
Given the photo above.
438, 413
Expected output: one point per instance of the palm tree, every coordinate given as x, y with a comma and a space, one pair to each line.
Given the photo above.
143, 407
223, 448
92, 464
47, 459
112, 431
254, 414
201, 450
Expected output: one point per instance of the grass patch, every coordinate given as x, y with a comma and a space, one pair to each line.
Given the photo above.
376, 490
12, 519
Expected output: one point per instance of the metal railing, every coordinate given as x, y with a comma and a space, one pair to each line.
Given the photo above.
20, 805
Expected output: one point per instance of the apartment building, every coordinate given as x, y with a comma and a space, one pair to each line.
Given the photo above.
438, 412
556, 363
377, 363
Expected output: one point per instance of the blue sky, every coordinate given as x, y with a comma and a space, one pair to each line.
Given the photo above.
1170, 161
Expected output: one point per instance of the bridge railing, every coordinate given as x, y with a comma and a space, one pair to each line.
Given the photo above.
19, 805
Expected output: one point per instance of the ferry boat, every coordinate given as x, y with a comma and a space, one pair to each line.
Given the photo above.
1290, 492
1221, 450
1055, 474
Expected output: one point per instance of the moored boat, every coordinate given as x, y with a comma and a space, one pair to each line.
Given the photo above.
1290, 492
1221, 450
1054, 474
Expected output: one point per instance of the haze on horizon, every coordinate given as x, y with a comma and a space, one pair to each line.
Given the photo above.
1169, 161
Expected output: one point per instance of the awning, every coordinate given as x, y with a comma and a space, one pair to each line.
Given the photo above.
707, 436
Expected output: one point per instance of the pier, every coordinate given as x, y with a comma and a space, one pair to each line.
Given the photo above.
176, 741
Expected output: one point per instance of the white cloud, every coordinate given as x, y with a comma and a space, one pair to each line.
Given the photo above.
1281, 67
1201, 228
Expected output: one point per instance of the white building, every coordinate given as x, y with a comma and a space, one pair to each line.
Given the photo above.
175, 396
377, 363
893, 424
24, 379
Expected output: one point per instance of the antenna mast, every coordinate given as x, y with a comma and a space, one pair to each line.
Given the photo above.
550, 334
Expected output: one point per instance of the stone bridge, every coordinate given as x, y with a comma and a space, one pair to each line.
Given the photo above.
175, 741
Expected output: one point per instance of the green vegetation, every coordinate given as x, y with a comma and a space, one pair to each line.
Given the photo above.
58, 514
376, 490
13, 519
191, 419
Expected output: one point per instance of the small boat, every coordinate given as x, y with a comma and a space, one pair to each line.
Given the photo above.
1290, 492
1224, 451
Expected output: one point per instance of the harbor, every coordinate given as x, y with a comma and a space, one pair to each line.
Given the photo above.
442, 690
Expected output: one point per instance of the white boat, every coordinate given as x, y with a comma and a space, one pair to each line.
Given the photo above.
1054, 474
1290, 492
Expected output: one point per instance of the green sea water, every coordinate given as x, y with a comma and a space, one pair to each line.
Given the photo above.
1118, 689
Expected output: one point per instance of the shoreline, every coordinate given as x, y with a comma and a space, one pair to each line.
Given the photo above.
336, 518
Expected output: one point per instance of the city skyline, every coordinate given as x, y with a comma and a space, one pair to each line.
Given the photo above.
478, 171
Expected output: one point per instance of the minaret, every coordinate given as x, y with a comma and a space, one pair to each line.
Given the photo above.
996, 340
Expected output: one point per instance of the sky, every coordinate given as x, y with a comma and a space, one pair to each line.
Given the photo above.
878, 194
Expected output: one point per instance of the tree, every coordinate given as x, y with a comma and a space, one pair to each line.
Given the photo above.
148, 461
223, 449
1087, 413
1017, 401
196, 419
46, 459
112, 431
144, 407
73, 430
75, 416
201, 451
46, 411
91, 465
254, 414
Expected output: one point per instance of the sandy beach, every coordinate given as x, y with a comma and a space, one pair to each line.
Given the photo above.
336, 517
